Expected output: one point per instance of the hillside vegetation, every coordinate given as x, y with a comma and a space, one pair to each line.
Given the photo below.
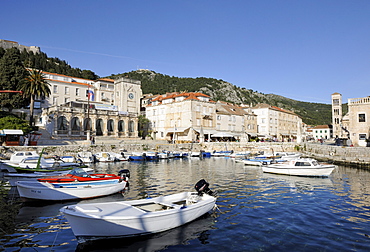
156, 83
12, 74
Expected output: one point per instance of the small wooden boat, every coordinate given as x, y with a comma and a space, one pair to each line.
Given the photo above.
301, 167
139, 217
35, 190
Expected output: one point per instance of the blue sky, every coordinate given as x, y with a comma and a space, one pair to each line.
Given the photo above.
305, 50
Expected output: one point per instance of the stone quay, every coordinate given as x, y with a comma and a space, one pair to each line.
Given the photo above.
340, 155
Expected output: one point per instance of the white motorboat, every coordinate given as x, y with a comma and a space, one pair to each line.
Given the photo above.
240, 155
34, 190
259, 161
288, 155
163, 155
301, 167
14, 177
118, 156
104, 157
68, 159
138, 217
195, 154
85, 156
18, 156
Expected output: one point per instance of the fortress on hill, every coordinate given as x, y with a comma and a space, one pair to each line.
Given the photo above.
6, 44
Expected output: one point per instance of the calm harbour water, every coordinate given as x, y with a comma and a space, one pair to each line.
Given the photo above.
257, 211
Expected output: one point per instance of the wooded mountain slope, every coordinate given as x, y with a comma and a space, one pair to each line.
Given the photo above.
154, 83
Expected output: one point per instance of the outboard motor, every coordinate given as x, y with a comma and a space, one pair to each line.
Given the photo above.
124, 174
203, 187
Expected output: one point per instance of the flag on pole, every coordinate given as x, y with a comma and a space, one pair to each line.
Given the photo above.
90, 95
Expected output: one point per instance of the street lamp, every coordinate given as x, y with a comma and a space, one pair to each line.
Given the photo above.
88, 126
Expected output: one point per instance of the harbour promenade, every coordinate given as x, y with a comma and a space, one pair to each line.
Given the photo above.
328, 152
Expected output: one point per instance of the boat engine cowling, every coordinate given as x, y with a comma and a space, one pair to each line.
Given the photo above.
124, 174
202, 186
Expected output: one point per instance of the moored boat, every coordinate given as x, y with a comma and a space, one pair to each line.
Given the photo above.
139, 217
35, 190
13, 177
104, 157
301, 167
136, 156
80, 175
86, 157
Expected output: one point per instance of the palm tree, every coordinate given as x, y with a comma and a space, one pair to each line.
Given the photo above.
35, 86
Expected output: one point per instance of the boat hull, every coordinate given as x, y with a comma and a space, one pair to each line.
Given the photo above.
29, 190
323, 171
121, 219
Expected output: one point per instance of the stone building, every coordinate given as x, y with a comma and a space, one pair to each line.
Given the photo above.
78, 107
337, 115
6, 44
276, 123
189, 116
355, 125
324, 132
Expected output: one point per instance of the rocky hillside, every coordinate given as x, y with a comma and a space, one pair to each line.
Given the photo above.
156, 83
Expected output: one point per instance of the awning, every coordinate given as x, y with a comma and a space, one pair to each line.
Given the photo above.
177, 130
222, 134
11, 132
252, 134
205, 131
264, 136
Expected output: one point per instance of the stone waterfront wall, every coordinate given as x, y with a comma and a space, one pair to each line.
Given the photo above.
140, 146
353, 156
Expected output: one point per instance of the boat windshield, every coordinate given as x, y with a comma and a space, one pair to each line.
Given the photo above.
302, 163
79, 172
315, 163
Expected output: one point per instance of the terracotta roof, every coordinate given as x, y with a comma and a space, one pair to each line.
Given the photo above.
106, 79
66, 76
322, 127
74, 82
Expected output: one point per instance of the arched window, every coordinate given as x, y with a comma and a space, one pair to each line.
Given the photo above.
121, 126
99, 127
87, 125
62, 125
110, 126
75, 126
131, 126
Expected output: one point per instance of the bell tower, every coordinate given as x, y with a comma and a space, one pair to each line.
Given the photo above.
127, 95
336, 111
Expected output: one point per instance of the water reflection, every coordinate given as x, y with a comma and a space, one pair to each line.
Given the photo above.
258, 211
196, 230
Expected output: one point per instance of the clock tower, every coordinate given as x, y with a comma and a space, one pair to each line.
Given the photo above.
127, 95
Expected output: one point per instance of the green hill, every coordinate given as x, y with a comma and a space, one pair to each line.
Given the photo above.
154, 83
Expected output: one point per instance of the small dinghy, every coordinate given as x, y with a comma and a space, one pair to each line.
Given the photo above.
139, 217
